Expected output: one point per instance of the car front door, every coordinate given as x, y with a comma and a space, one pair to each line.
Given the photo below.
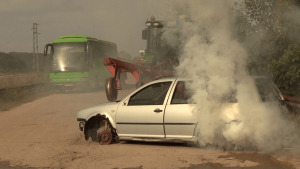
179, 121
141, 115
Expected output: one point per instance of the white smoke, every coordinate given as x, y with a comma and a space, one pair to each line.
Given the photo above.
217, 64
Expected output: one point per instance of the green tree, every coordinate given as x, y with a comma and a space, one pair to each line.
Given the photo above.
286, 71
268, 30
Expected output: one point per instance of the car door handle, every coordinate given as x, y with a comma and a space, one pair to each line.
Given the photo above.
157, 110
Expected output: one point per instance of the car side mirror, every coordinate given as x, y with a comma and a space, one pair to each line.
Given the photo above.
144, 34
125, 102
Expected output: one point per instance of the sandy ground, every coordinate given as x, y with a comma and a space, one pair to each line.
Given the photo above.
45, 134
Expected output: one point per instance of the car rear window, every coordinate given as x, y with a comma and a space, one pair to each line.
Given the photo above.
183, 95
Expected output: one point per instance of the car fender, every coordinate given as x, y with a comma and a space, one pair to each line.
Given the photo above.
106, 115
107, 110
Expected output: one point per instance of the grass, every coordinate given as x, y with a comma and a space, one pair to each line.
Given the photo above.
15, 97
23, 79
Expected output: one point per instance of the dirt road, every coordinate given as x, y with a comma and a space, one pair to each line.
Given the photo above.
45, 134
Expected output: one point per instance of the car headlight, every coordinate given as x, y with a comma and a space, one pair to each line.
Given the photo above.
148, 24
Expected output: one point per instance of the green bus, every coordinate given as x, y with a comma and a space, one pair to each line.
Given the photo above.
76, 61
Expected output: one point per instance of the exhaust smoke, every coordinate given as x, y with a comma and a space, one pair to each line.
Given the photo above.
216, 62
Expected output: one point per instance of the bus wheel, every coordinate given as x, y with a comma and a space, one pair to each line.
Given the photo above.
111, 89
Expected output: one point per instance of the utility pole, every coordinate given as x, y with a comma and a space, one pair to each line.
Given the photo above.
35, 58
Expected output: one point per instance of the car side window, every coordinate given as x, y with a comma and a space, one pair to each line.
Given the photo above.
151, 95
181, 94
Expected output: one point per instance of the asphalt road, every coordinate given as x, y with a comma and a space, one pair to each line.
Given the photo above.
45, 134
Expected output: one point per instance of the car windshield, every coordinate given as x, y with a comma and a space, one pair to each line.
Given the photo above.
69, 57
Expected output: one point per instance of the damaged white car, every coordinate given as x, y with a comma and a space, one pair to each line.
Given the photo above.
157, 111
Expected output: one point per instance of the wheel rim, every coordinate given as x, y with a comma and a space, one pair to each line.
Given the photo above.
105, 137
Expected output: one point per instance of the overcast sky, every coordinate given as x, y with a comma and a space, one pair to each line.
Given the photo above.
120, 21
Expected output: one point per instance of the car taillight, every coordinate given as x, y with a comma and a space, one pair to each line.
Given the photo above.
52, 80
84, 78
139, 59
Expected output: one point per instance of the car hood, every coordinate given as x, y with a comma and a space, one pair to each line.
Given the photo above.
108, 109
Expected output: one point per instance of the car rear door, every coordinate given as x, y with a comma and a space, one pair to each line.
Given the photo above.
179, 121
141, 115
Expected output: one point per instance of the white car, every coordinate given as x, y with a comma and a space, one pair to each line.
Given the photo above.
157, 111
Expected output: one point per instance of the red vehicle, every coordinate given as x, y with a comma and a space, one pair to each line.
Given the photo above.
141, 74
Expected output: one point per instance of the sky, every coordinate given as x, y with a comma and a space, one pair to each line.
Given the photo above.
120, 21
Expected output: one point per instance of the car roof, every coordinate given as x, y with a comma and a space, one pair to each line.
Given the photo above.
174, 77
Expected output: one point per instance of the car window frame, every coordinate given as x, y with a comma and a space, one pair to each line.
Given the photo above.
173, 92
126, 100
278, 95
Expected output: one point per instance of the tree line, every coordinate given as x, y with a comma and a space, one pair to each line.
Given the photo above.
9, 63
21, 62
272, 28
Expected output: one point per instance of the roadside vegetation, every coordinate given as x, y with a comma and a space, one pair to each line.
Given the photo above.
12, 92
20, 62
269, 31
10, 98
272, 28
9, 63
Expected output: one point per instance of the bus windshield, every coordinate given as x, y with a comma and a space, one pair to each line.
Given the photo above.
69, 57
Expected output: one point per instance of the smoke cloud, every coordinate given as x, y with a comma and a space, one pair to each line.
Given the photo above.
216, 62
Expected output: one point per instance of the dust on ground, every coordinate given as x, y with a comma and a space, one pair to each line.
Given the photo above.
45, 134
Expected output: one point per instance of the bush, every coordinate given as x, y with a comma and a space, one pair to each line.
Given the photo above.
286, 71
9, 63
